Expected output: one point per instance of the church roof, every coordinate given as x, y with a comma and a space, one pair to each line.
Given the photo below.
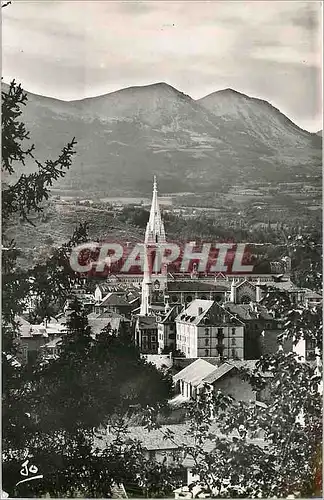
195, 286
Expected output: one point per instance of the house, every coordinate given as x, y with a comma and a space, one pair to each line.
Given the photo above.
261, 329
114, 302
226, 377
101, 320
33, 337
101, 291
188, 380
51, 350
206, 329
146, 331
154, 442
167, 329
169, 444
312, 298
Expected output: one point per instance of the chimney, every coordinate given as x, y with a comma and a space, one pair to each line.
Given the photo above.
200, 311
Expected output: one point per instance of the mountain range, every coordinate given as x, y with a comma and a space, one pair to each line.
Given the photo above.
210, 144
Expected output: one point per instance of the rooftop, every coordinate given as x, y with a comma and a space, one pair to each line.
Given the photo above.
113, 299
248, 311
195, 286
207, 312
155, 439
195, 372
147, 322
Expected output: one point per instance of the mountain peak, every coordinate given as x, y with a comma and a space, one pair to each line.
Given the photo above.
159, 88
226, 93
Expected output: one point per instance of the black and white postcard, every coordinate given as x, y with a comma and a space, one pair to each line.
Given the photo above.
161, 249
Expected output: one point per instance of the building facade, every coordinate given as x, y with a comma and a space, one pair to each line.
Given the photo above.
206, 329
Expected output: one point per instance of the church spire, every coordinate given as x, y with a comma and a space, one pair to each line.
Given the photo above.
154, 236
155, 232
146, 286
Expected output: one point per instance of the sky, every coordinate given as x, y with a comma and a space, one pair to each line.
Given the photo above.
76, 49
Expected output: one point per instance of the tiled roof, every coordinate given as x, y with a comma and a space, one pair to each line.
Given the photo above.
147, 322
195, 372
247, 311
211, 309
228, 366
154, 440
192, 311
107, 314
195, 286
113, 299
98, 324
218, 373
171, 315
283, 285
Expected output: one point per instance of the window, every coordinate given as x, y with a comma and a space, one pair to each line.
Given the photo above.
206, 352
220, 349
206, 341
219, 331
153, 338
206, 331
171, 336
233, 341
233, 331
234, 353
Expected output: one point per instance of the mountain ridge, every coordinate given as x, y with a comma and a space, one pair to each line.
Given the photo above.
126, 136
163, 84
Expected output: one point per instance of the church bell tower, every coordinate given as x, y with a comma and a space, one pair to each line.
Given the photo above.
154, 280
